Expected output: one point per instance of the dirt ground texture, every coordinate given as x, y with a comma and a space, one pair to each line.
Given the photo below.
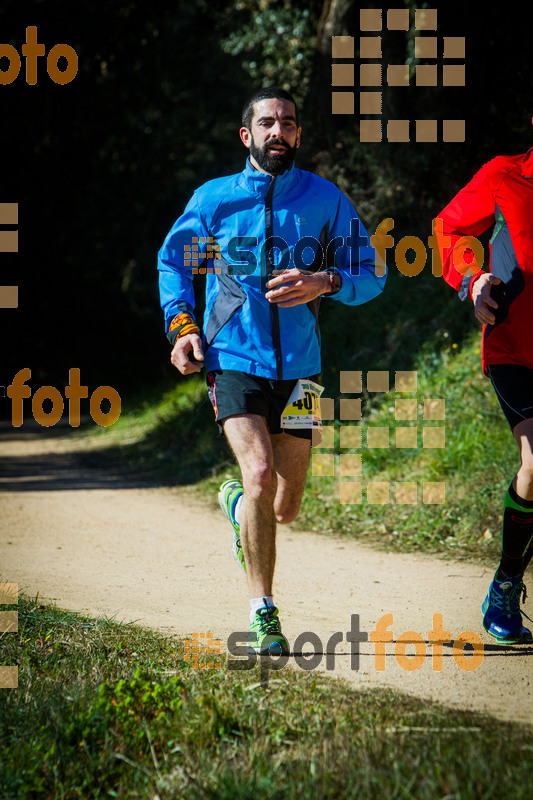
102, 542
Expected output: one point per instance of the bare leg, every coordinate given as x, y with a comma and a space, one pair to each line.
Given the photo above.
523, 433
523, 485
291, 460
274, 470
249, 439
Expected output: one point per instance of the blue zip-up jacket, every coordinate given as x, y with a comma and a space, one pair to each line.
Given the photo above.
242, 213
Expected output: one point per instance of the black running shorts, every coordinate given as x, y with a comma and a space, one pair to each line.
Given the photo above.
232, 392
513, 385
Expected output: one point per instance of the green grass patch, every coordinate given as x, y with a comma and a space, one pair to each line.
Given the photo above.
476, 464
106, 710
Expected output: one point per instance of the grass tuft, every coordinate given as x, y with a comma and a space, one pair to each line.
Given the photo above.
111, 710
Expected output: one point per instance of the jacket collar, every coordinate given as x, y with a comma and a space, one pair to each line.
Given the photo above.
257, 183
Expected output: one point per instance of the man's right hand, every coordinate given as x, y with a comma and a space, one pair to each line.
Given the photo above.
482, 299
180, 354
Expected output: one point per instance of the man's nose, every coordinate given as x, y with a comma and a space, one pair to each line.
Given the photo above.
277, 129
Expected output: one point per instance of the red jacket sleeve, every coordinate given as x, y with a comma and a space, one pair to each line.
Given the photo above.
470, 213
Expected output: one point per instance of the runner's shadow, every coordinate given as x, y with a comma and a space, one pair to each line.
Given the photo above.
506, 650
58, 472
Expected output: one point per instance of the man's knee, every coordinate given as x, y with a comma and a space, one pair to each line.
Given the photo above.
259, 480
526, 471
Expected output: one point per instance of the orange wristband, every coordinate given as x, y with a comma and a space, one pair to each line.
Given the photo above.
181, 325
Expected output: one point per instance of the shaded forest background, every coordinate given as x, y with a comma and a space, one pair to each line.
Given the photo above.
101, 167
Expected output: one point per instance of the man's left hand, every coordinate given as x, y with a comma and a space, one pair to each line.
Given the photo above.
293, 287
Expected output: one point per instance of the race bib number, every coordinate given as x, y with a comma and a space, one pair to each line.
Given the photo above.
303, 408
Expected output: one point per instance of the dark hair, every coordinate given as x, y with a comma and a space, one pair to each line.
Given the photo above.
268, 93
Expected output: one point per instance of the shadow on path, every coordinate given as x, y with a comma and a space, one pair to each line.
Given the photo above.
57, 471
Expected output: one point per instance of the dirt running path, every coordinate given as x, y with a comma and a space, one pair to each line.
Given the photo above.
97, 542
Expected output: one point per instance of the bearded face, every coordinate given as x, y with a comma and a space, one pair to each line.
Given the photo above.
273, 136
274, 156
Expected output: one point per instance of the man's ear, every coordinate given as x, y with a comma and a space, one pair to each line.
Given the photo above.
246, 137
298, 137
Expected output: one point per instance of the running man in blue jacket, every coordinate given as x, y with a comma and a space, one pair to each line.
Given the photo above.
272, 240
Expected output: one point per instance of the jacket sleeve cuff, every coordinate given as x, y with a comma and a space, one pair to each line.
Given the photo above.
467, 284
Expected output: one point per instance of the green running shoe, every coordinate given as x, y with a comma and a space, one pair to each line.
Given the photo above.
266, 637
228, 497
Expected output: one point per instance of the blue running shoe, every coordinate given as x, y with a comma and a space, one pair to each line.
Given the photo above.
228, 497
501, 611
266, 637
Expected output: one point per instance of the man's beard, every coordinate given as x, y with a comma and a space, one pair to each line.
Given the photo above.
274, 164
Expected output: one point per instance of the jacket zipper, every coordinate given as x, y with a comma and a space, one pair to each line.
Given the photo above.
274, 311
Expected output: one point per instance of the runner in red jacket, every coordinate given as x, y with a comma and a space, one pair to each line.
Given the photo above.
500, 196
